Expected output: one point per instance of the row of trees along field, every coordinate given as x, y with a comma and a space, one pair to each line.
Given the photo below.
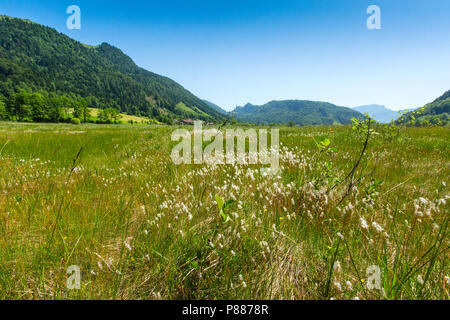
27, 106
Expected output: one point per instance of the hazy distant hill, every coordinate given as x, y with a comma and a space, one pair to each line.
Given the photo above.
40, 58
300, 112
378, 112
215, 107
436, 112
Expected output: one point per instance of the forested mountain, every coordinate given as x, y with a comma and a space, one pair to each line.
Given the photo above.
434, 113
378, 112
40, 59
299, 112
215, 107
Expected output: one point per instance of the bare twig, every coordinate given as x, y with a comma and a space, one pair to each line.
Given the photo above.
351, 174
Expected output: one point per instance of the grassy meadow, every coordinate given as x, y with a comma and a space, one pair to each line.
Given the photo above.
140, 227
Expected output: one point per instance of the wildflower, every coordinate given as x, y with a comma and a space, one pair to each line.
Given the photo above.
340, 235
349, 285
420, 279
127, 245
377, 226
364, 223
337, 267
233, 253
337, 285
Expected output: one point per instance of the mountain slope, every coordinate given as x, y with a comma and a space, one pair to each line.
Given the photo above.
378, 112
215, 107
300, 112
436, 113
40, 58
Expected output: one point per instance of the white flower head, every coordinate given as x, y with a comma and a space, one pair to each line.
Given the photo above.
420, 279
364, 224
377, 226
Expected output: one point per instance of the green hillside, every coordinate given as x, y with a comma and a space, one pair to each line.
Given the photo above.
434, 113
39, 59
300, 112
215, 107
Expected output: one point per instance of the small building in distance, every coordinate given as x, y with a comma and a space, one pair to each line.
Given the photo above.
187, 122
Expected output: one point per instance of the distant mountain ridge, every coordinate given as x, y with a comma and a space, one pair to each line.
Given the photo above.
378, 112
40, 58
300, 112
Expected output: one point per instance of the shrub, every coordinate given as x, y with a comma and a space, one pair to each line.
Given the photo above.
75, 121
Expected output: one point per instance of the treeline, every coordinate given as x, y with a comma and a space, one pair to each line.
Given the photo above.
436, 113
27, 106
418, 118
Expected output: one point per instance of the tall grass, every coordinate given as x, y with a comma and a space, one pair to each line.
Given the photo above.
140, 227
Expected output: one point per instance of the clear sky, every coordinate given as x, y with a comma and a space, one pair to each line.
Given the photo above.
236, 51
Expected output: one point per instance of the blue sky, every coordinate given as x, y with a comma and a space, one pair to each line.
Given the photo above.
236, 51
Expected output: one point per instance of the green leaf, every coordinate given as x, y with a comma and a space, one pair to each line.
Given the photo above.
326, 142
227, 204
225, 217
219, 201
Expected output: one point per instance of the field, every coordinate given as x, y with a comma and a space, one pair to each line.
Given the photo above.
140, 227
123, 117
